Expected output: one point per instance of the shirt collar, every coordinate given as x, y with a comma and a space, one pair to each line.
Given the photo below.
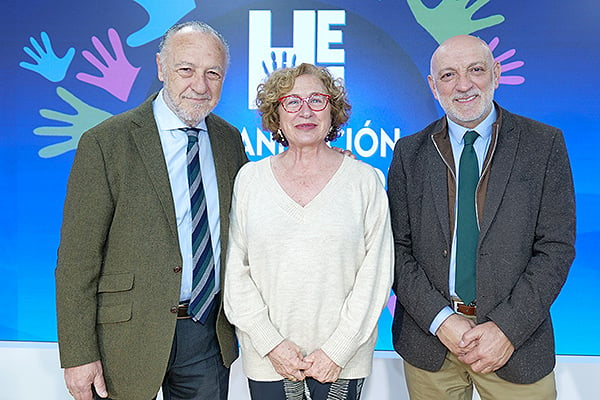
166, 119
484, 129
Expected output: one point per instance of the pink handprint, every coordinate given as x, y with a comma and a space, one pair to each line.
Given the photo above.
118, 75
510, 79
391, 304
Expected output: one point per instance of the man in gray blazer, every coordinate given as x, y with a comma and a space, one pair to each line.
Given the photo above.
123, 277
502, 342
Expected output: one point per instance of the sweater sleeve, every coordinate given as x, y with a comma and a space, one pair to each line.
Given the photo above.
363, 305
242, 301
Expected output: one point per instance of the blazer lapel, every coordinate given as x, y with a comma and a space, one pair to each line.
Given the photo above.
501, 168
221, 155
437, 174
146, 137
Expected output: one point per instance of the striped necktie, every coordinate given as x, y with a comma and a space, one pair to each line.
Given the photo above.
203, 275
467, 229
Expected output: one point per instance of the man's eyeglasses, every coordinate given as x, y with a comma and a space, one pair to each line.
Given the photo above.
293, 103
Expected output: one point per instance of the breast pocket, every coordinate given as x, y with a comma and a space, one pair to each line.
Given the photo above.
114, 297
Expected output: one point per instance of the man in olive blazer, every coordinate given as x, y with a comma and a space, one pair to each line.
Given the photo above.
526, 216
119, 266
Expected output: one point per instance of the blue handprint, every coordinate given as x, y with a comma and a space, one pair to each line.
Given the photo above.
47, 63
274, 62
160, 19
85, 118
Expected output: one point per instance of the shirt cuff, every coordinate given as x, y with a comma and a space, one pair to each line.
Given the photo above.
439, 319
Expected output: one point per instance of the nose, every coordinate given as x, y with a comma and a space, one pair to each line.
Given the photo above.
199, 84
305, 110
463, 83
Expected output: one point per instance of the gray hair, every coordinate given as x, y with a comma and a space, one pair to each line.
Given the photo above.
198, 26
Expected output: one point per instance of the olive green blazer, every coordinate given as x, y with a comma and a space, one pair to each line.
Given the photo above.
118, 274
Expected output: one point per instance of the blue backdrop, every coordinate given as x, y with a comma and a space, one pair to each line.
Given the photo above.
68, 65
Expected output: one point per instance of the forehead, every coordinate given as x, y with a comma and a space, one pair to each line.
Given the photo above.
307, 84
195, 47
457, 56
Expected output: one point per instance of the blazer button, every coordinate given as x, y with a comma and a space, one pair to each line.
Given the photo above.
177, 269
174, 309
445, 253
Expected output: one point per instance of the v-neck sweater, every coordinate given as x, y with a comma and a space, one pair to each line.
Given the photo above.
317, 275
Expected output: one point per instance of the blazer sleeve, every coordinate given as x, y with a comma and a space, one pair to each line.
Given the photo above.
87, 215
551, 254
412, 284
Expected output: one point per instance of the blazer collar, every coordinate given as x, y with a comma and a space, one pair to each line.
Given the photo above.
146, 137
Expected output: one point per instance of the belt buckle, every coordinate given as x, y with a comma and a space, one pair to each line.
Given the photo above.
455, 303
460, 307
182, 311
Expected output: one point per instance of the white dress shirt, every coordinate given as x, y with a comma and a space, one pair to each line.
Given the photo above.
174, 144
481, 145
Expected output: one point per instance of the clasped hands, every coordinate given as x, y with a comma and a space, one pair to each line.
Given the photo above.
485, 348
289, 362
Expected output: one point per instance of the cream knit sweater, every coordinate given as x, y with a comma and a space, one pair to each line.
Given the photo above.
317, 275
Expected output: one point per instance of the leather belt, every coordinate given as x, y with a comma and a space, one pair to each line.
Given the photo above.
182, 310
460, 307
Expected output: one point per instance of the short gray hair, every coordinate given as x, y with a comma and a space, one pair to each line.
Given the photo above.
195, 26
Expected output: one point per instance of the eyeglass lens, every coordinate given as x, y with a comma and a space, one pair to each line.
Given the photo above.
316, 102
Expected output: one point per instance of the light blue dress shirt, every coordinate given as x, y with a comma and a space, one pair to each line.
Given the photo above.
174, 144
481, 146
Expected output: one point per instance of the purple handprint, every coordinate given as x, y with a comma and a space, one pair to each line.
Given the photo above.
510, 79
391, 304
118, 75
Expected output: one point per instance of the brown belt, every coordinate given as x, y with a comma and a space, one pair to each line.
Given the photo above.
182, 311
460, 307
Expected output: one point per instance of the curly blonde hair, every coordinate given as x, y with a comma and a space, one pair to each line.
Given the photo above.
281, 81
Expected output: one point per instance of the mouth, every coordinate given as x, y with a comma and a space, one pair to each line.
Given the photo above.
464, 100
197, 99
306, 126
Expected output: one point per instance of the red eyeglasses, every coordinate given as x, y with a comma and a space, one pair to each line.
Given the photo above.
293, 103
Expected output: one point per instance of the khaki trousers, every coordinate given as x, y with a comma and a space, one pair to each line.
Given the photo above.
455, 381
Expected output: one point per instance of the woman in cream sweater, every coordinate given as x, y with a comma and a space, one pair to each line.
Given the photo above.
310, 252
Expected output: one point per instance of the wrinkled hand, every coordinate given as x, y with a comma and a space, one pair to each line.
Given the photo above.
118, 75
80, 380
47, 63
323, 368
493, 348
452, 17
160, 19
288, 361
85, 118
451, 333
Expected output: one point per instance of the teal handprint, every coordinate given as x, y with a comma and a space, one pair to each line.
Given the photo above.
161, 17
452, 17
47, 63
85, 118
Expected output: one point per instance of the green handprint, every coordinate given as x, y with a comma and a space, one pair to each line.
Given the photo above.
85, 118
452, 17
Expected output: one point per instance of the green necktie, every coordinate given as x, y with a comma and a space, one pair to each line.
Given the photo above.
467, 230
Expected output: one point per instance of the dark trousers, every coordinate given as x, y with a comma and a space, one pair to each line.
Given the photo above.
309, 389
195, 370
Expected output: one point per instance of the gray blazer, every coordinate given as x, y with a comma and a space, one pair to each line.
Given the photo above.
526, 243
119, 264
